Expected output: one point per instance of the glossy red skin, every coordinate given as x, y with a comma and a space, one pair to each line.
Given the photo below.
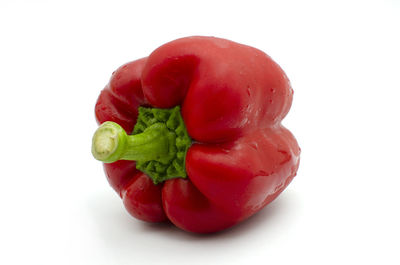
233, 98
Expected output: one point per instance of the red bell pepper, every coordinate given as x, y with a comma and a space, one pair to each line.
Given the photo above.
193, 134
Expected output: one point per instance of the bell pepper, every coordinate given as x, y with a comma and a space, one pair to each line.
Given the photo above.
192, 133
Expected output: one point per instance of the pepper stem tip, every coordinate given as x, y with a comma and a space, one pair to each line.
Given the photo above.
108, 142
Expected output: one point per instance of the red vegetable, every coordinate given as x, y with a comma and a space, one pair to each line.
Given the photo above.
223, 159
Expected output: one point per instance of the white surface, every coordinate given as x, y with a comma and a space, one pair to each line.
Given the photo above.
344, 63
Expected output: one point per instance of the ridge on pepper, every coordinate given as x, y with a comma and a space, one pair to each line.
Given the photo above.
192, 134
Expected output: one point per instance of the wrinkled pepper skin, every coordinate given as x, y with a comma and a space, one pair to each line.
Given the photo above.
233, 98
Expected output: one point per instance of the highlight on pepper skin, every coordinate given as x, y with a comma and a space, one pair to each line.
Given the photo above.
192, 133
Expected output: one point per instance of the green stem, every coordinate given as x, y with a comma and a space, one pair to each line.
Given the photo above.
111, 143
158, 145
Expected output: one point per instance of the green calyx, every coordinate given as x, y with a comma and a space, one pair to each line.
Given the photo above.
158, 144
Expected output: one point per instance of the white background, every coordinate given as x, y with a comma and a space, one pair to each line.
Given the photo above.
343, 60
